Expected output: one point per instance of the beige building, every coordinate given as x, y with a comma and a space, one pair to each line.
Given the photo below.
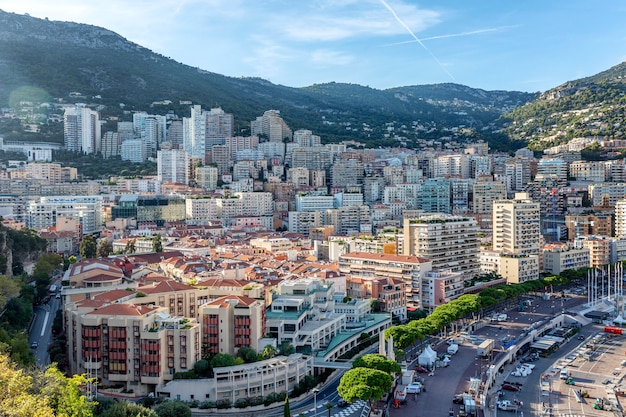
408, 270
518, 268
441, 287
230, 323
516, 226
137, 346
599, 250
558, 257
449, 242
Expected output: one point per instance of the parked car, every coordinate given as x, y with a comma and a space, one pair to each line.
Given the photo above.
510, 387
457, 399
421, 369
414, 388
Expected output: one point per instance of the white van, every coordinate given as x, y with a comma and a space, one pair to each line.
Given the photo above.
564, 374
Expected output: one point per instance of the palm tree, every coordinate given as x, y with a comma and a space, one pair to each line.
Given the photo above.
329, 406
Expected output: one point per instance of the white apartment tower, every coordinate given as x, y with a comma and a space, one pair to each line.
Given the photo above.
194, 133
173, 166
516, 225
150, 128
305, 138
82, 130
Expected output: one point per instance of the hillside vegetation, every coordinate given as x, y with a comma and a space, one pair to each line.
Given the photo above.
592, 106
109, 72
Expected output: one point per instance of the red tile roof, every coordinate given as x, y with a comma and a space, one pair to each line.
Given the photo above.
123, 310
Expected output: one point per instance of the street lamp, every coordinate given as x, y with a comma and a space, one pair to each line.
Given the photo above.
315, 391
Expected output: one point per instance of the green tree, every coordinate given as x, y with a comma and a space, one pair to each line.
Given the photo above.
376, 361
286, 348
329, 407
130, 246
88, 247
268, 352
128, 409
66, 394
286, 410
105, 248
157, 243
247, 354
17, 396
221, 360
202, 368
173, 409
365, 384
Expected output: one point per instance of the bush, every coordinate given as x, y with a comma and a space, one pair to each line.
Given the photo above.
204, 405
242, 403
256, 400
222, 404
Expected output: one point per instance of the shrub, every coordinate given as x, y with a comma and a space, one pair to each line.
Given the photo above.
222, 404
242, 403
206, 405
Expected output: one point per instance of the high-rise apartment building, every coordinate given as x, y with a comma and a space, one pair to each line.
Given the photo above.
620, 219
347, 172
408, 270
450, 242
206, 178
110, 144
517, 173
82, 130
194, 133
134, 150
219, 126
436, 196
272, 126
485, 193
516, 225
305, 138
151, 129
173, 166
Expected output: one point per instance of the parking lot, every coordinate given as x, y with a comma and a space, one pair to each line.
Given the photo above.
590, 376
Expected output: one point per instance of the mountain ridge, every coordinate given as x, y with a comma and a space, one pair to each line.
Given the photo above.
60, 57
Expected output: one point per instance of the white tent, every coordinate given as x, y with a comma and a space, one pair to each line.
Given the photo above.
427, 357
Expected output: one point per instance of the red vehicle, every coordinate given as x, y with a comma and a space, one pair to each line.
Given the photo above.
510, 387
421, 369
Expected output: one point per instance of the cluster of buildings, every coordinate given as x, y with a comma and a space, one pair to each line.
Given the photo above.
277, 238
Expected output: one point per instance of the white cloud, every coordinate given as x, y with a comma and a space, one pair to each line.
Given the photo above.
327, 57
337, 21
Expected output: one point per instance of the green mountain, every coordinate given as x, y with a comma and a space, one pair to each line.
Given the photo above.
41, 58
588, 107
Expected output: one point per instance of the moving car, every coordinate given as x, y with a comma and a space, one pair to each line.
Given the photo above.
342, 403
510, 387
34, 345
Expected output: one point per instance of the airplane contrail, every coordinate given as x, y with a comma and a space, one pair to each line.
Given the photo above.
416, 38
454, 35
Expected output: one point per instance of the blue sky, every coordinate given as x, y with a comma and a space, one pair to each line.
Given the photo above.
526, 45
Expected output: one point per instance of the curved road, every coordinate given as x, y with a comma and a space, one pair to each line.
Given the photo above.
41, 329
